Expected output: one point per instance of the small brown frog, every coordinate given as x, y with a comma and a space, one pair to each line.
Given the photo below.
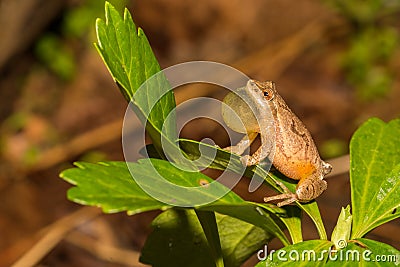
295, 154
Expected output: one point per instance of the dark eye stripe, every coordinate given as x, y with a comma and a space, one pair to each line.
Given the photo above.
268, 94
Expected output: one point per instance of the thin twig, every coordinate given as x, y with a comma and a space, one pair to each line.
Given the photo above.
84, 142
103, 251
279, 55
340, 165
54, 234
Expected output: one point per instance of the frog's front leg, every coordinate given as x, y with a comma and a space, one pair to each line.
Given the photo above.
262, 152
243, 144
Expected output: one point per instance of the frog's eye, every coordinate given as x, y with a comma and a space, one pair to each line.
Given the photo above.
268, 94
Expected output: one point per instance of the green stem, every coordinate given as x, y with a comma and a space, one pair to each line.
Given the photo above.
210, 228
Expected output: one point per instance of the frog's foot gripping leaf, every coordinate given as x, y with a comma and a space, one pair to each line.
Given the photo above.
288, 196
248, 160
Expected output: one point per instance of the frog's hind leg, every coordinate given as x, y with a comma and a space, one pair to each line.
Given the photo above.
287, 195
243, 144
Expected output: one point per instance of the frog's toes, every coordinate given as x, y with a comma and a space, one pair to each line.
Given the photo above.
246, 160
288, 199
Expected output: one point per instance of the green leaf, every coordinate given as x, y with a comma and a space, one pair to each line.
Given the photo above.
205, 155
341, 233
125, 51
375, 175
110, 185
114, 187
292, 221
178, 240
361, 252
251, 213
128, 56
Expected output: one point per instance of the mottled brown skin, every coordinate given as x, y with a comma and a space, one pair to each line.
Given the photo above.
296, 155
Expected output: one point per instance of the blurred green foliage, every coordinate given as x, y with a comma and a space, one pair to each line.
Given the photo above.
55, 49
333, 148
368, 59
23, 136
79, 20
56, 56
365, 12
373, 42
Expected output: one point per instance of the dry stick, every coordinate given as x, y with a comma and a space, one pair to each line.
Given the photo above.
16, 17
278, 56
54, 234
78, 145
104, 252
340, 165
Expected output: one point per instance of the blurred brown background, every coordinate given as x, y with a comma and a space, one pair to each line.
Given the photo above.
336, 64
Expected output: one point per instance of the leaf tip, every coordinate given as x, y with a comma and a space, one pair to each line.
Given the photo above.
140, 32
111, 12
98, 25
107, 6
127, 15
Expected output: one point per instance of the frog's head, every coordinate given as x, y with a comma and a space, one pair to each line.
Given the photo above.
268, 88
264, 94
248, 108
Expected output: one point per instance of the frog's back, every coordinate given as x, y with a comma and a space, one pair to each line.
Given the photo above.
296, 154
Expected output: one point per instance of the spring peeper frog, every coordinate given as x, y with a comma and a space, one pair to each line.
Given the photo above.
295, 154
